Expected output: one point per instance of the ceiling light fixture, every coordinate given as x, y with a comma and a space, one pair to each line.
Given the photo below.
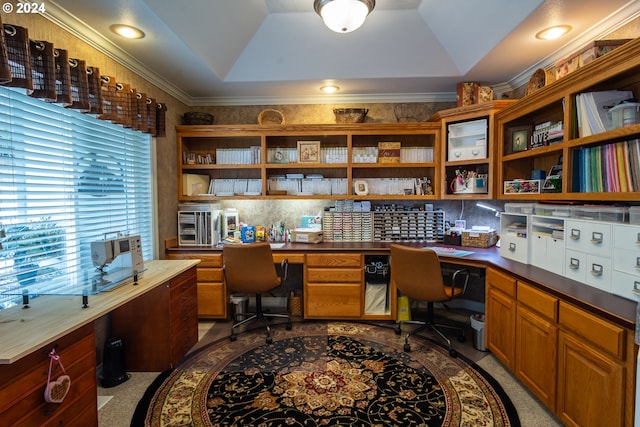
554, 32
330, 88
343, 16
127, 31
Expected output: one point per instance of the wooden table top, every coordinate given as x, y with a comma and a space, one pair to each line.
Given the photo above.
24, 330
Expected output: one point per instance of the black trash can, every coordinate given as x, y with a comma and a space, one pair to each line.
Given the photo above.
113, 365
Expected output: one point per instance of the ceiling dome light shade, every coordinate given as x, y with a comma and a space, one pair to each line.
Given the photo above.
343, 16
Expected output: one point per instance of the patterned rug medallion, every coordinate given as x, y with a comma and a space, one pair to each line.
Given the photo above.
325, 374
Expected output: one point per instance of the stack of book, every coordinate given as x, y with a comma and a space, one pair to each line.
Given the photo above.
608, 168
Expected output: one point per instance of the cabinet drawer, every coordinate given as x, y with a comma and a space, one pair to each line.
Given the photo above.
539, 301
623, 284
501, 281
291, 257
184, 280
627, 237
206, 260
349, 275
576, 265
598, 272
335, 300
334, 260
609, 337
212, 300
210, 275
627, 260
591, 237
515, 248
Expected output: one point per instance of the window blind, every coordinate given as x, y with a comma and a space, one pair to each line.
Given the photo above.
66, 179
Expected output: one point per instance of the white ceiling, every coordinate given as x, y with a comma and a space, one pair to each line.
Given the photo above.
231, 52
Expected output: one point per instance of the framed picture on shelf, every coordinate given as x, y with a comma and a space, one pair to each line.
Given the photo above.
520, 138
308, 151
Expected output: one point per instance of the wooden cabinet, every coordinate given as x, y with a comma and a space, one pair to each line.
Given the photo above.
500, 306
593, 364
160, 326
22, 384
467, 142
536, 342
580, 365
258, 162
333, 285
557, 102
211, 290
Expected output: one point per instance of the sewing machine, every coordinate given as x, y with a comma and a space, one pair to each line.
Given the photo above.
117, 259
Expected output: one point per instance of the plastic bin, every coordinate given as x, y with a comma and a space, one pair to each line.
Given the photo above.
521, 208
563, 211
625, 114
634, 215
477, 325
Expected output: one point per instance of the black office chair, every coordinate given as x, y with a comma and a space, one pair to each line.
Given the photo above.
416, 273
250, 269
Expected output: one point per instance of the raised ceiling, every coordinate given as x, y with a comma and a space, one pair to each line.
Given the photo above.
230, 52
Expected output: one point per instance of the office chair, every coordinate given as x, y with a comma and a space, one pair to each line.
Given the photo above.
250, 269
416, 273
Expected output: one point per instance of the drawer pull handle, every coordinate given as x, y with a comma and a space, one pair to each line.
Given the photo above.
636, 285
574, 263
596, 238
638, 239
596, 269
638, 263
475, 152
575, 234
512, 247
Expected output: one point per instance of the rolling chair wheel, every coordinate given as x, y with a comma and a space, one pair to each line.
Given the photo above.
233, 337
397, 330
462, 338
453, 353
269, 340
407, 348
289, 326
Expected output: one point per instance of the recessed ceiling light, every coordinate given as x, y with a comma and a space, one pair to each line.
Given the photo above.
554, 32
330, 88
127, 31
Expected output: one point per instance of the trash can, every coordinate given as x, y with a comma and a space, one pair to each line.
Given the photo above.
113, 365
477, 325
240, 304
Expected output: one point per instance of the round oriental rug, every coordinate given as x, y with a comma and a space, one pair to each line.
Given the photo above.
325, 374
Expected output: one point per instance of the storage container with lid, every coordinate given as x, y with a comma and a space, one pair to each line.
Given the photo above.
563, 211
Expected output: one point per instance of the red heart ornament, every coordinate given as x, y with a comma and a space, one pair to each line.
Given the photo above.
56, 390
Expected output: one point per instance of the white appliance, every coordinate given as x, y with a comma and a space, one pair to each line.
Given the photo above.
117, 259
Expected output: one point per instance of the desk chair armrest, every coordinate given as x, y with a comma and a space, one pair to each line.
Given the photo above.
460, 277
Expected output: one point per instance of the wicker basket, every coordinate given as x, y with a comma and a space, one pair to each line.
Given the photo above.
539, 79
350, 115
295, 305
270, 117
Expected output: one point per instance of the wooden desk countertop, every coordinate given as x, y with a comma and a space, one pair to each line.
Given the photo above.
23, 331
612, 307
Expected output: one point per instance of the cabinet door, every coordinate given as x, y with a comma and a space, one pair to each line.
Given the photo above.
590, 385
536, 346
548, 253
333, 300
500, 326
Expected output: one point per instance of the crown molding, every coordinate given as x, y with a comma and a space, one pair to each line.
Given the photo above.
69, 22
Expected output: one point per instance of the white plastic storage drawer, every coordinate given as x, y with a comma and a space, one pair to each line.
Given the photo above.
624, 284
589, 236
469, 153
627, 237
575, 267
599, 272
515, 248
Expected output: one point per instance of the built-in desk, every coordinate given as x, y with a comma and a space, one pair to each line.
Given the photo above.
612, 307
28, 334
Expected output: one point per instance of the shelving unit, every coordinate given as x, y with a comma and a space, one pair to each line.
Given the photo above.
617, 70
267, 156
462, 129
